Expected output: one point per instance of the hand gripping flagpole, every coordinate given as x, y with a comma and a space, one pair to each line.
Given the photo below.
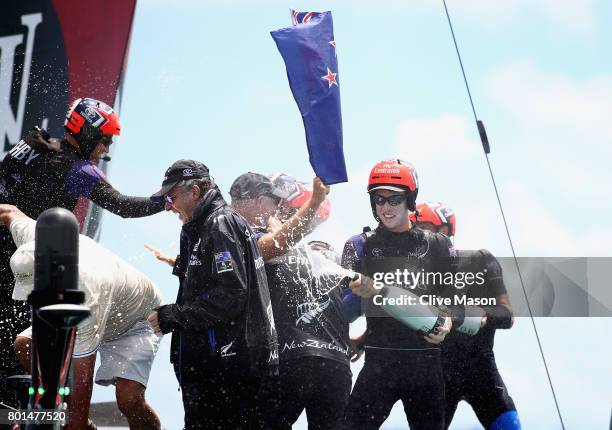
487, 149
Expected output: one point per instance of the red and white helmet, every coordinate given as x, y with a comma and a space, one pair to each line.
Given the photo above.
395, 175
436, 213
293, 194
88, 120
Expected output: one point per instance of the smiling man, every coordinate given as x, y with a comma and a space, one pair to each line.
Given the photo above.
224, 342
402, 363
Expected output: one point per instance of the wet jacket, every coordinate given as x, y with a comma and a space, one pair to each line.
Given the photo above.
222, 316
307, 308
37, 175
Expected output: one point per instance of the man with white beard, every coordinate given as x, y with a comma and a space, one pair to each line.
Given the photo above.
120, 298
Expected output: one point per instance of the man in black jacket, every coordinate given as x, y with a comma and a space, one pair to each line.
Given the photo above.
41, 172
224, 340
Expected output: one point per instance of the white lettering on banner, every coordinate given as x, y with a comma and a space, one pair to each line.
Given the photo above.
11, 125
23, 150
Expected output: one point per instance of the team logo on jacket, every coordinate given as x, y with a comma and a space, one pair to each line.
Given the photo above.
223, 262
309, 311
225, 350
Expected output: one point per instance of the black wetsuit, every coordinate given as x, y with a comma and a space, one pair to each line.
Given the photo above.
35, 177
313, 337
470, 371
399, 363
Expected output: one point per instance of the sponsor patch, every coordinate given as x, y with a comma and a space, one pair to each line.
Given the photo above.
223, 262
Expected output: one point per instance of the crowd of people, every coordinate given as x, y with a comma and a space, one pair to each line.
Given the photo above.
260, 324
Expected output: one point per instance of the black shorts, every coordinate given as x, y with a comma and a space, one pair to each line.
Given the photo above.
319, 385
414, 377
476, 380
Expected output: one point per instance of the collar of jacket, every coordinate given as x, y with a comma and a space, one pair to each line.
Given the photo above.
412, 234
67, 148
210, 202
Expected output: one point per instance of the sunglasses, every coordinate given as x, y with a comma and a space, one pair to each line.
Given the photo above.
170, 199
393, 200
107, 140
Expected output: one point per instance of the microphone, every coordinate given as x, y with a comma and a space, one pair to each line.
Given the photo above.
105, 158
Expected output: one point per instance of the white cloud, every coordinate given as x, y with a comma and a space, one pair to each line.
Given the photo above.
557, 129
575, 17
580, 108
447, 135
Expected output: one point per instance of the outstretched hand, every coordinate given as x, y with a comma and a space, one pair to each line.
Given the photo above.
8, 213
161, 257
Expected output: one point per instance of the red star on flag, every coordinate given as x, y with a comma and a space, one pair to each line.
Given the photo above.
330, 78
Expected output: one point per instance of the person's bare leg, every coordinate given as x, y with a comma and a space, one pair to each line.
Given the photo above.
131, 402
80, 395
23, 346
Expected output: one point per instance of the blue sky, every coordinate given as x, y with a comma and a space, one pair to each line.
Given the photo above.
205, 81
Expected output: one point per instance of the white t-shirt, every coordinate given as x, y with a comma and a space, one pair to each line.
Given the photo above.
117, 294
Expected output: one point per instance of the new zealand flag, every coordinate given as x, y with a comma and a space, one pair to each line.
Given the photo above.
309, 51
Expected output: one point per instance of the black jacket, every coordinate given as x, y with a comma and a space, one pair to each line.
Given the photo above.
37, 175
222, 316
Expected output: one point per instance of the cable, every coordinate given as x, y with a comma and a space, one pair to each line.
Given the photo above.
485, 144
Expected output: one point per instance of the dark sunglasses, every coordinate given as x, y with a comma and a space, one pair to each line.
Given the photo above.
393, 200
107, 140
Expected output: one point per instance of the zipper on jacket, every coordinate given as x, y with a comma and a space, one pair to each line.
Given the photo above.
212, 339
180, 357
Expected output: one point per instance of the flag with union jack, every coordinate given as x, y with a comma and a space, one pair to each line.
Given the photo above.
302, 17
309, 51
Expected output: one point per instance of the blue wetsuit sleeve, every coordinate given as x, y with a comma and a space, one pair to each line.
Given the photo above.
352, 257
351, 305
